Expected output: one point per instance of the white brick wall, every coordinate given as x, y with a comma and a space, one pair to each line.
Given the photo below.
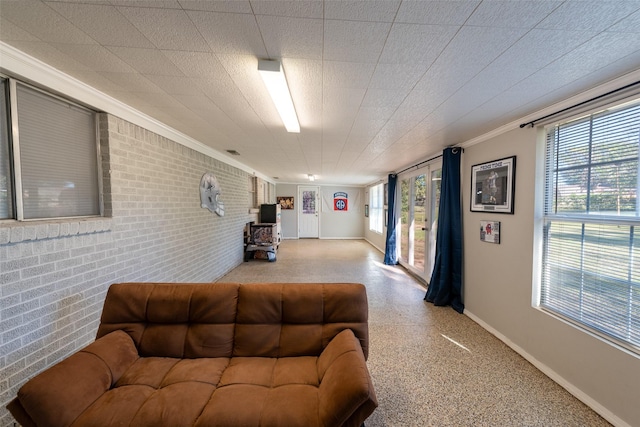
54, 274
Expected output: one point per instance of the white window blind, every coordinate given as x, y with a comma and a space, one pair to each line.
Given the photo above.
58, 157
6, 184
375, 208
591, 240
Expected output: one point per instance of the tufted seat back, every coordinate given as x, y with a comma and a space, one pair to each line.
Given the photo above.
235, 320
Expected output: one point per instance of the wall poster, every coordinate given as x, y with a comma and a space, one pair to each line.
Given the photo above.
493, 186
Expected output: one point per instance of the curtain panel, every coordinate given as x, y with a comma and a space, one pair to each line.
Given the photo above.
445, 286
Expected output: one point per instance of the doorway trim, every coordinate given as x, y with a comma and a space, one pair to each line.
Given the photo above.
301, 224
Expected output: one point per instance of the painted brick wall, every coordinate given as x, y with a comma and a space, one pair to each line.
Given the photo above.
54, 274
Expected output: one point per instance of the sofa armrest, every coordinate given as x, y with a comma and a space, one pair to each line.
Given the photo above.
346, 391
58, 395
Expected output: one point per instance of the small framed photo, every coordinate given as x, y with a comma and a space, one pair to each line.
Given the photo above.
493, 186
366, 211
490, 231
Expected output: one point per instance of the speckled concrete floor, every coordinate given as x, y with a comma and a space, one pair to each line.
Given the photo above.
430, 365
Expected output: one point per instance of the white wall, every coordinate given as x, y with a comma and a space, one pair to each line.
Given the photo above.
333, 224
498, 292
339, 224
54, 274
289, 217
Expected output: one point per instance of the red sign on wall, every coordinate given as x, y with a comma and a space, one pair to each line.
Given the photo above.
340, 201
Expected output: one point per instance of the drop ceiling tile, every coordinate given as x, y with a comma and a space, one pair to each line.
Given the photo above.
229, 6
196, 64
352, 41
384, 99
416, 44
346, 99
158, 99
602, 14
630, 24
507, 13
538, 48
376, 113
132, 82
174, 85
146, 61
104, 24
228, 98
49, 26
471, 50
291, 37
366, 128
400, 77
130, 99
230, 33
96, 57
292, 8
436, 12
362, 10
11, 32
166, 28
96, 80
603, 49
164, 4
346, 74
45, 52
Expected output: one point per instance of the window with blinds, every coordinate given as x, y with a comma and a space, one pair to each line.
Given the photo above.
591, 237
49, 167
375, 208
6, 183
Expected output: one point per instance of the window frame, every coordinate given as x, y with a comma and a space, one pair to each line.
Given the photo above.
376, 208
14, 151
586, 219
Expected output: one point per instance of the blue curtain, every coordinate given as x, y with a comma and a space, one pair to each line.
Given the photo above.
390, 249
445, 286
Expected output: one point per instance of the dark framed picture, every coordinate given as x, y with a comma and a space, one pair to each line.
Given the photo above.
366, 211
493, 186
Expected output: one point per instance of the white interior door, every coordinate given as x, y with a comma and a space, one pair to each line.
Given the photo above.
308, 208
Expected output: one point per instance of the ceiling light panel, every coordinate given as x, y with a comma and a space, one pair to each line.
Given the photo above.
274, 79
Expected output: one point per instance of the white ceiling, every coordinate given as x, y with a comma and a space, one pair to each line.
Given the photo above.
377, 85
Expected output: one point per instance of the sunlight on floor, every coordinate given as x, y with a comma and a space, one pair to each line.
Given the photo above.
455, 342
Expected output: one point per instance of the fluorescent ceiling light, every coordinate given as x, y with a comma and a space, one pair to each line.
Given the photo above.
273, 76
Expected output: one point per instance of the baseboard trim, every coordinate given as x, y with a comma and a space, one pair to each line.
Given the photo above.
373, 244
341, 238
575, 391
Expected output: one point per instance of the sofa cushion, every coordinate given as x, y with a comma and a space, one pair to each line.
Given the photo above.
174, 320
297, 319
225, 319
304, 391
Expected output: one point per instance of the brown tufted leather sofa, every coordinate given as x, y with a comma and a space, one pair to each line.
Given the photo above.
218, 354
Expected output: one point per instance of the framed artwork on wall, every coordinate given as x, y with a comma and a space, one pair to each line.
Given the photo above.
285, 202
490, 231
493, 186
